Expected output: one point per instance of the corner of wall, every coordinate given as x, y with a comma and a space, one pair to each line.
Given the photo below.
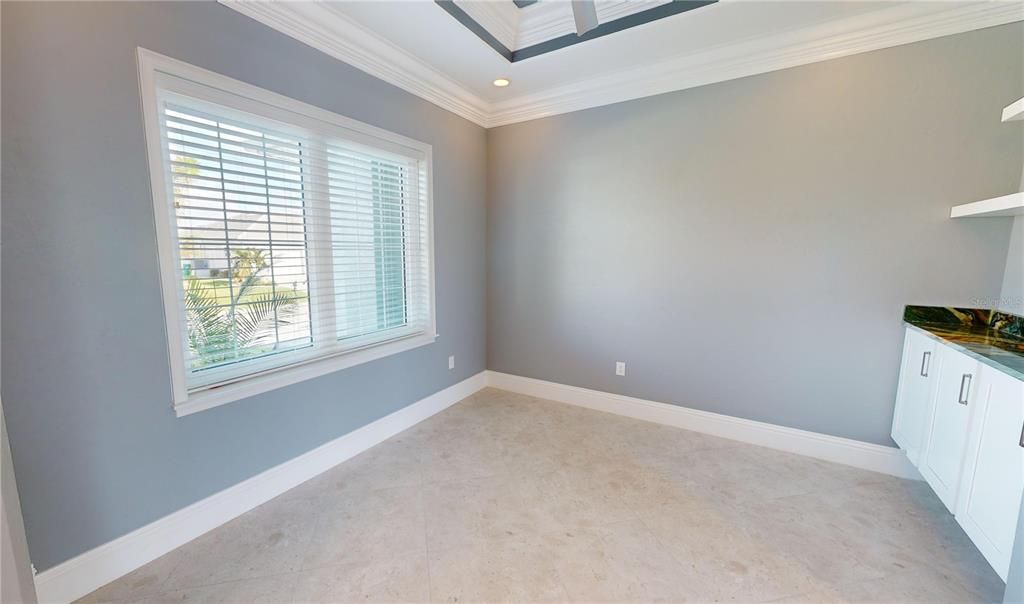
1011, 298
16, 583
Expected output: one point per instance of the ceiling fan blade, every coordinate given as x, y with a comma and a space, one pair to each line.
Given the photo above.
585, 14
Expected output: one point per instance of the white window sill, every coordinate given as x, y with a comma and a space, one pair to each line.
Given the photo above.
214, 397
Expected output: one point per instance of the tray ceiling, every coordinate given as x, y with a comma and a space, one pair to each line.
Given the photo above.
421, 47
518, 31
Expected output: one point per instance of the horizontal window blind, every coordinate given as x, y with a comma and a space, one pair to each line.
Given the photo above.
292, 242
378, 234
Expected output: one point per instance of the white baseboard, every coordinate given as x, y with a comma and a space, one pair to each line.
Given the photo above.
868, 456
91, 570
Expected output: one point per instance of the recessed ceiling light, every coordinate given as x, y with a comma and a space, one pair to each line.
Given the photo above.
501, 82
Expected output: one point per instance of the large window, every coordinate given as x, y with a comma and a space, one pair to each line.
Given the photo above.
293, 241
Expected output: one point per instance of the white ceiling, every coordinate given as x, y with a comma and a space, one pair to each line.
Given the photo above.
519, 28
417, 45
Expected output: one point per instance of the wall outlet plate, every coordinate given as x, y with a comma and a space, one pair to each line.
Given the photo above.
451, 362
620, 368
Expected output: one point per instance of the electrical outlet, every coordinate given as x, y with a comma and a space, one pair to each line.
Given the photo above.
451, 362
620, 368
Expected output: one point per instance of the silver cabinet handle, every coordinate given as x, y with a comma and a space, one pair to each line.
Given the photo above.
965, 388
925, 363
1022, 436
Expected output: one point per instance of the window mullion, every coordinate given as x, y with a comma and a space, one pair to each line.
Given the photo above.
319, 248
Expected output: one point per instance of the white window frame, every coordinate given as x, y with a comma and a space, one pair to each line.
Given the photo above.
152, 68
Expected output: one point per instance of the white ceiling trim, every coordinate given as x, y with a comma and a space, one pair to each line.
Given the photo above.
501, 19
318, 25
518, 28
327, 30
545, 21
892, 27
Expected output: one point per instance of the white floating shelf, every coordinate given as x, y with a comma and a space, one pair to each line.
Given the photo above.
1007, 205
1014, 111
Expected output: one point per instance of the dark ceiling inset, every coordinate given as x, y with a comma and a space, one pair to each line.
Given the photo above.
460, 15
646, 16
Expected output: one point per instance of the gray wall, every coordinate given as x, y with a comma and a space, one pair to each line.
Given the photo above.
97, 449
747, 247
1012, 297
16, 583
620, 233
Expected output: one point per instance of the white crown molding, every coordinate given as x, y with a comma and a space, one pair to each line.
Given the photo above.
326, 29
901, 24
617, 9
867, 456
318, 25
501, 19
545, 21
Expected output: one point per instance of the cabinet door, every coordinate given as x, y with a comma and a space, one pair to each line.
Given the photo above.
993, 478
943, 457
915, 392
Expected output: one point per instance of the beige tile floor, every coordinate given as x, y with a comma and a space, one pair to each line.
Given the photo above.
507, 498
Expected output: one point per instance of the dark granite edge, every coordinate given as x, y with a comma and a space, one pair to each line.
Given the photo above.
993, 363
1005, 323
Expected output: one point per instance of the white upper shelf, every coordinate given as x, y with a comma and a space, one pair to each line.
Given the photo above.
1014, 111
1007, 205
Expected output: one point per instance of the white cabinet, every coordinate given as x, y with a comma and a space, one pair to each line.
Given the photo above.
961, 422
993, 475
942, 460
915, 393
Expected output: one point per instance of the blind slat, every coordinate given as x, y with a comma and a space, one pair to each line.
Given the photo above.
289, 244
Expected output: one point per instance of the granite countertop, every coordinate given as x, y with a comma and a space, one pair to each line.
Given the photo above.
994, 338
